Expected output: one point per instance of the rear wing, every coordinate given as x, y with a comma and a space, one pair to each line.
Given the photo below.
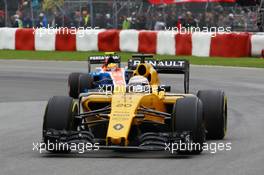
102, 59
168, 66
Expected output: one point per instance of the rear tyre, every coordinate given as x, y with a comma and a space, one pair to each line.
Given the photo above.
85, 83
73, 83
215, 113
187, 115
59, 116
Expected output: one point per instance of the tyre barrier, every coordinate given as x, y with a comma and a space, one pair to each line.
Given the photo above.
201, 44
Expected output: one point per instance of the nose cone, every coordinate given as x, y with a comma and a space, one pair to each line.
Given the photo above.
124, 107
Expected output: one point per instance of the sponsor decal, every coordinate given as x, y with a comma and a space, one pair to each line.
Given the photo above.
124, 105
118, 127
120, 115
103, 57
156, 63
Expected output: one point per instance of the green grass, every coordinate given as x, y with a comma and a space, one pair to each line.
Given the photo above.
80, 56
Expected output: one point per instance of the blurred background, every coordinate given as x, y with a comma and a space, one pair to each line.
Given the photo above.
240, 15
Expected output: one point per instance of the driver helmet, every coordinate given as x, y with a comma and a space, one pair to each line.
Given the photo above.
139, 84
112, 67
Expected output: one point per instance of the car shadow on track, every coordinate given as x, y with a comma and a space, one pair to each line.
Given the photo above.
119, 155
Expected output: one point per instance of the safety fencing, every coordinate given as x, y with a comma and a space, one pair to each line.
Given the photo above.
157, 42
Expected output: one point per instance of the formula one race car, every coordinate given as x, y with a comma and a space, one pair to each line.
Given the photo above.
138, 116
107, 75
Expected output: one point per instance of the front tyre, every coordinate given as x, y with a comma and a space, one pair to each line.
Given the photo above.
59, 116
215, 113
187, 115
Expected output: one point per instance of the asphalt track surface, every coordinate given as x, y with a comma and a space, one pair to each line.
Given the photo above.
25, 87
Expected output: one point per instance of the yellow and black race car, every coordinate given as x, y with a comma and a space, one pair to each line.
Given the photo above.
140, 115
